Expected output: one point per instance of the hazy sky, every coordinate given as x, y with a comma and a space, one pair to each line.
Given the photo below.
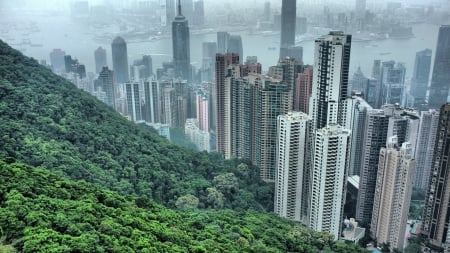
64, 4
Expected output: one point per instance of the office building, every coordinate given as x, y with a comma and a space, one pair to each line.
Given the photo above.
393, 194
429, 121
359, 82
440, 80
134, 109
436, 214
120, 60
292, 172
100, 59
267, 11
222, 42
235, 46
328, 179
393, 83
288, 20
57, 60
106, 82
421, 75
181, 45
73, 66
330, 79
199, 13
170, 10
188, 9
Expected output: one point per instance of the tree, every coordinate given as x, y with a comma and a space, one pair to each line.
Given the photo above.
187, 202
214, 198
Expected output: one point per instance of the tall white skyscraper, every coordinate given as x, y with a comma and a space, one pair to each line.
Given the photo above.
393, 193
330, 79
329, 176
292, 175
134, 109
429, 122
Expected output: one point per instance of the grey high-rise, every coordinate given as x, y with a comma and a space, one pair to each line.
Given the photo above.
181, 46
288, 20
421, 75
100, 59
120, 60
235, 46
440, 81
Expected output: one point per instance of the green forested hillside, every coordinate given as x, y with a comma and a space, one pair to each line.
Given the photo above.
46, 121
41, 212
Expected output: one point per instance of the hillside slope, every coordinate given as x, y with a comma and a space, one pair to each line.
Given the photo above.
46, 121
41, 212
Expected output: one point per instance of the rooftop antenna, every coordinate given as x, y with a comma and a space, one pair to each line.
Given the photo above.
179, 8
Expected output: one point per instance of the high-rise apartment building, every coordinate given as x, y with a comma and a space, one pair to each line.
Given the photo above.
436, 214
288, 20
120, 60
421, 75
440, 80
302, 90
429, 121
181, 46
100, 59
328, 179
393, 193
380, 124
202, 106
222, 64
134, 109
292, 172
330, 79
152, 101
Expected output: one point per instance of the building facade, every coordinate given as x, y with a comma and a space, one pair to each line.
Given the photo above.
440, 80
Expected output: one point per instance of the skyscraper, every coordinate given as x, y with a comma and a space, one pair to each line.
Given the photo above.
429, 121
202, 110
288, 20
152, 101
181, 46
359, 82
360, 8
328, 179
440, 80
134, 109
267, 11
389, 121
393, 194
421, 75
292, 172
330, 79
222, 63
355, 117
188, 9
106, 82
222, 42
199, 13
170, 10
436, 214
100, 59
393, 83
235, 46
57, 60
120, 60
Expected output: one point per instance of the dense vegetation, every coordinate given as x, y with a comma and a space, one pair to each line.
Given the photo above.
46, 121
41, 212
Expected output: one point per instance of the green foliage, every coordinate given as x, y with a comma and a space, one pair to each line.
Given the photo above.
42, 212
187, 202
46, 121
